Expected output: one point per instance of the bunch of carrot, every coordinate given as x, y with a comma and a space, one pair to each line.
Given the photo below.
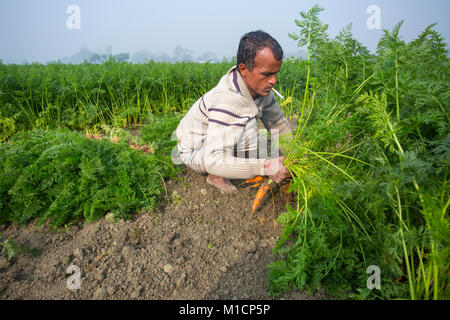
144, 148
262, 191
115, 139
264, 187
93, 136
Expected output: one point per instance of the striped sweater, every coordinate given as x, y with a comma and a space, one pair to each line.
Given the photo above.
225, 120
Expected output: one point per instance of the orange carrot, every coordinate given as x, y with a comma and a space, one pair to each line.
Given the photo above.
147, 149
260, 196
255, 179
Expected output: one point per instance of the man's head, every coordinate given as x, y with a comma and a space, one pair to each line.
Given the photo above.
259, 59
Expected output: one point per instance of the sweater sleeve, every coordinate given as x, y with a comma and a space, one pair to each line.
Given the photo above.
225, 129
273, 117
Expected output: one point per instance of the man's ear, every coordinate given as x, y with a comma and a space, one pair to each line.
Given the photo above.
242, 69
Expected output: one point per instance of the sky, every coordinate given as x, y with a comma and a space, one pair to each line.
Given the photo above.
44, 30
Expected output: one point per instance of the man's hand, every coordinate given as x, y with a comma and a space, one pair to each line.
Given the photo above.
275, 169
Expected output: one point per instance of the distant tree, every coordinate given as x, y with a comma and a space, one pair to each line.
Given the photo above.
108, 50
207, 56
182, 54
178, 51
142, 56
95, 58
122, 57
187, 58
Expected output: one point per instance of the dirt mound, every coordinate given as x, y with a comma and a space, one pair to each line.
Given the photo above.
199, 245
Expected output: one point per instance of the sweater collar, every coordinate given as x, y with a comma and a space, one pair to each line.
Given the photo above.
235, 83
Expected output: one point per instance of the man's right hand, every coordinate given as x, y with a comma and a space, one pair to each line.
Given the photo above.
275, 169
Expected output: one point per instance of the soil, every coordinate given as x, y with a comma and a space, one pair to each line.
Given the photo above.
198, 245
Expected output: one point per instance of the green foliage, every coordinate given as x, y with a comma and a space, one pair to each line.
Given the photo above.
115, 93
63, 176
160, 132
10, 247
118, 93
312, 31
382, 119
7, 128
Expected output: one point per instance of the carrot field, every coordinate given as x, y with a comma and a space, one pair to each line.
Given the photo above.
369, 156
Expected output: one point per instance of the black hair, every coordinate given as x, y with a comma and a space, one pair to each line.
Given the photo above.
251, 43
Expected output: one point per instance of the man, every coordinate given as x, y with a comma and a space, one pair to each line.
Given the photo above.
222, 124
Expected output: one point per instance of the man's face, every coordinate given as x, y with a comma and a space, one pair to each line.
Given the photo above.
262, 78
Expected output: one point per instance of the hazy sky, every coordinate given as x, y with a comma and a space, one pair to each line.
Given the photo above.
36, 30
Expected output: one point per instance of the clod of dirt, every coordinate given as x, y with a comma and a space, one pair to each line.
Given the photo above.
78, 253
168, 268
128, 252
3, 263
